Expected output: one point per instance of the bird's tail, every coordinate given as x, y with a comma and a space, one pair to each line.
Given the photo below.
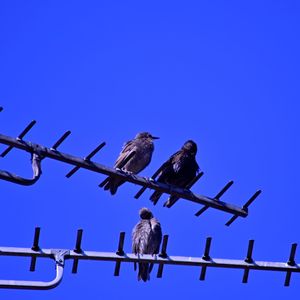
112, 184
143, 272
155, 197
171, 201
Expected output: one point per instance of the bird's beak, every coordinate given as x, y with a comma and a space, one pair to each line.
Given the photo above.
155, 138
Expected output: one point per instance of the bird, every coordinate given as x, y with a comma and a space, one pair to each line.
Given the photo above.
135, 156
178, 170
146, 239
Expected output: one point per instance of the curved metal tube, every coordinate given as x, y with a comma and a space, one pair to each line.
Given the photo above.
36, 285
36, 168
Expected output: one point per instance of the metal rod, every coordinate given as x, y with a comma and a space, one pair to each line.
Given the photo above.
170, 260
245, 207
288, 278
255, 195
163, 254
291, 262
95, 151
248, 260
88, 157
205, 257
224, 190
20, 136
77, 250
63, 254
35, 285
26, 130
217, 197
201, 211
36, 168
203, 273
96, 167
245, 276
61, 139
143, 189
119, 252
231, 220
35, 247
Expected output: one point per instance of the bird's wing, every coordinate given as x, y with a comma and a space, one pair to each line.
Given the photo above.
126, 150
167, 168
155, 237
140, 237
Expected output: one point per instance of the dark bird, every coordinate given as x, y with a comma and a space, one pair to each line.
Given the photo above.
178, 170
134, 157
146, 239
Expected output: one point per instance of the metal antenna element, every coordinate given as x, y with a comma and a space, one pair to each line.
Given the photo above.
86, 163
143, 189
87, 158
77, 250
61, 140
217, 198
119, 252
205, 257
19, 138
35, 247
291, 262
206, 261
248, 260
245, 207
163, 254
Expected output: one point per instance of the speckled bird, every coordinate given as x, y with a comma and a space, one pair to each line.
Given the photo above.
146, 239
140, 149
178, 170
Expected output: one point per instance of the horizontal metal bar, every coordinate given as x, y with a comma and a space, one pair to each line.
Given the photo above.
170, 260
96, 167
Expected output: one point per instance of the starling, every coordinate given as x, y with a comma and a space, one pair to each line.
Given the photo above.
146, 239
134, 157
178, 170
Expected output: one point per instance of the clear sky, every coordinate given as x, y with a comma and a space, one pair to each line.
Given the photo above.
223, 73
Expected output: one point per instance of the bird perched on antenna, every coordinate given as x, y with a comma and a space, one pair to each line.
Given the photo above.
179, 170
146, 239
134, 157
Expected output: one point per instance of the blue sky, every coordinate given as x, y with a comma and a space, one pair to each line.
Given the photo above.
223, 73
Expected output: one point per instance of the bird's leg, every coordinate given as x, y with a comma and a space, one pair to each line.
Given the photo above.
127, 172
